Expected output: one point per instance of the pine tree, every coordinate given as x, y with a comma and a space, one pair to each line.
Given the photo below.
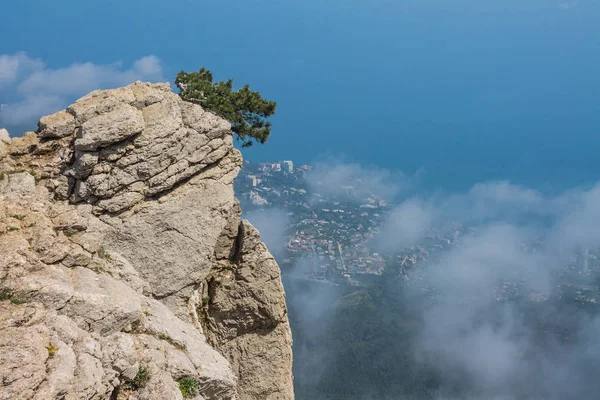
246, 110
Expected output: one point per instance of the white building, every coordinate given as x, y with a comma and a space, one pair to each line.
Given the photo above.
287, 166
253, 180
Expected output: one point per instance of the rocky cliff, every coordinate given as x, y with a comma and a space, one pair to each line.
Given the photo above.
125, 270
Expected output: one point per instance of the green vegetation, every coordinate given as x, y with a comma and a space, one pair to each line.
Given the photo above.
6, 295
188, 387
16, 171
130, 385
246, 110
164, 336
206, 300
141, 378
363, 347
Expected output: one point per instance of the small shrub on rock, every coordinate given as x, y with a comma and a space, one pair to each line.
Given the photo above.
188, 387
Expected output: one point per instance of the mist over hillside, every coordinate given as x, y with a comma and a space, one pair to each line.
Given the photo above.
507, 311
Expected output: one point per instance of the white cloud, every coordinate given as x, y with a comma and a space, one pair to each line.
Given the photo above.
579, 213
473, 338
498, 200
406, 225
353, 181
78, 79
38, 90
30, 109
479, 262
271, 223
504, 192
148, 66
11, 66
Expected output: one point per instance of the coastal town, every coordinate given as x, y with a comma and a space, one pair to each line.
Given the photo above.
331, 235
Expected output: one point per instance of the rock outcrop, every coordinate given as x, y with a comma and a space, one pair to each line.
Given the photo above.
125, 269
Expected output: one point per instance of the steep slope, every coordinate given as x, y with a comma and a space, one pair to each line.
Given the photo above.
122, 253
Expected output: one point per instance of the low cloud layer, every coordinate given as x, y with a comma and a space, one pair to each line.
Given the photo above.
481, 346
496, 350
406, 225
349, 181
271, 223
33, 89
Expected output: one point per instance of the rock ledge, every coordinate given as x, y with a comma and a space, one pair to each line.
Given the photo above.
124, 265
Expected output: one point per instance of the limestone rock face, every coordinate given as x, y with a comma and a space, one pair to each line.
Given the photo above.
249, 317
124, 265
4, 136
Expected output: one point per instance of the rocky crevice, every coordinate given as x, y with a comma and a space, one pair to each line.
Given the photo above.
122, 251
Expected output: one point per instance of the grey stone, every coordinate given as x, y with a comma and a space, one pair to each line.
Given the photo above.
248, 309
57, 125
140, 207
121, 123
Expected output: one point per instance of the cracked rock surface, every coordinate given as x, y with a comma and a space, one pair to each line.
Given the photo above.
124, 265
